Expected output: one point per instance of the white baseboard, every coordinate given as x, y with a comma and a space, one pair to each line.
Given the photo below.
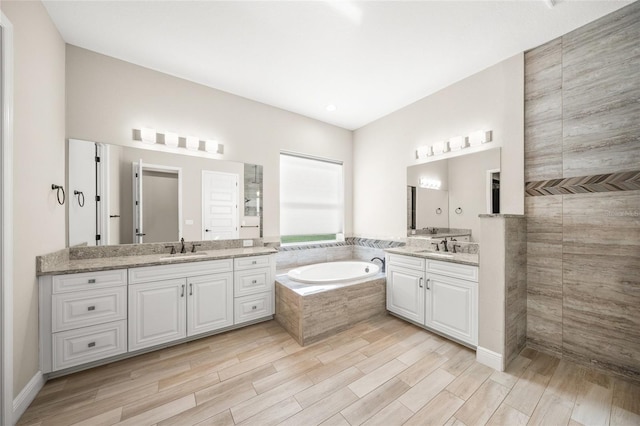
490, 358
27, 395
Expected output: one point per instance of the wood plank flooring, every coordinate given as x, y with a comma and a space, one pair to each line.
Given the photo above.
380, 372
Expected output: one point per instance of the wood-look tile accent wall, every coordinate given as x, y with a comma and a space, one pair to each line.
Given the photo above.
582, 165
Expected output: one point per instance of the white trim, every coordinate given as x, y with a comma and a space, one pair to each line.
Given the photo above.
6, 226
490, 358
28, 394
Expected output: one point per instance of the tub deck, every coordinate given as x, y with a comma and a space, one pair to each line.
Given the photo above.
311, 313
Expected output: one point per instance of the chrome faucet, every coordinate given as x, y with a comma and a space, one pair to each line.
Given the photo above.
381, 261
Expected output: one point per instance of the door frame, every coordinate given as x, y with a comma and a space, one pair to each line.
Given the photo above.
237, 215
161, 169
6, 225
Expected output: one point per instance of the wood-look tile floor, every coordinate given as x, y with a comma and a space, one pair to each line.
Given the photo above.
380, 372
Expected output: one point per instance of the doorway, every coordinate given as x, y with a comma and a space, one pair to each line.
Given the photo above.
157, 203
219, 205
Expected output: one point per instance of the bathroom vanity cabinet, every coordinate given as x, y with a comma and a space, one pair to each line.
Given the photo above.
89, 317
438, 295
168, 303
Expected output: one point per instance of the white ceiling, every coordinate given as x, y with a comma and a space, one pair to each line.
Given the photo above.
367, 58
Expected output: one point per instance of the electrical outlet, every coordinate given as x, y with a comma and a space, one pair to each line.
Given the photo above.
247, 243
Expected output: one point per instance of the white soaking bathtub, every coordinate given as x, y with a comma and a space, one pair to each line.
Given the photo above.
333, 272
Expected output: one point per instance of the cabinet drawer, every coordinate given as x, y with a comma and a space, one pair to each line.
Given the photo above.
89, 280
75, 347
85, 308
147, 274
252, 307
251, 262
405, 261
456, 270
252, 281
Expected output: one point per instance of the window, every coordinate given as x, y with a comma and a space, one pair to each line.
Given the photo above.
311, 199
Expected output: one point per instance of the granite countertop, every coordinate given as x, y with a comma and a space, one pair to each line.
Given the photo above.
65, 266
462, 258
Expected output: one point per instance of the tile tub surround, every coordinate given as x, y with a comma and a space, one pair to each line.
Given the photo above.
311, 313
353, 248
583, 198
58, 263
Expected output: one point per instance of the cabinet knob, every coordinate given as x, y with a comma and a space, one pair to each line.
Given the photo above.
254, 262
91, 344
91, 308
254, 281
254, 307
92, 281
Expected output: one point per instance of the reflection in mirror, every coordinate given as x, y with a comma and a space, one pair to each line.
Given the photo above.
252, 221
188, 196
451, 193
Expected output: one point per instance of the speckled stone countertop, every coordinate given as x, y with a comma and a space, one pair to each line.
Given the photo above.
415, 251
67, 266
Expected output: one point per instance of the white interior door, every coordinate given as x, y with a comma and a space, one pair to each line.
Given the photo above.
82, 193
138, 232
219, 205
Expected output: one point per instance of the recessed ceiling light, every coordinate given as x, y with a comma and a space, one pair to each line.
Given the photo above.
331, 107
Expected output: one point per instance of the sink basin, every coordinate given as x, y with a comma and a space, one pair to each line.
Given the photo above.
436, 254
183, 256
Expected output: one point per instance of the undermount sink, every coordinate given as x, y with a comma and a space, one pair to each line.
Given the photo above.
183, 256
436, 254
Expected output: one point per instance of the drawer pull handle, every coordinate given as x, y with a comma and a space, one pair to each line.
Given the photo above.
182, 294
254, 282
420, 282
190, 289
92, 281
254, 307
91, 308
91, 344
428, 279
254, 262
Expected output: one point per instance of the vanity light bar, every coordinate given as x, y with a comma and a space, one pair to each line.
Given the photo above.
455, 144
148, 135
480, 136
430, 183
172, 140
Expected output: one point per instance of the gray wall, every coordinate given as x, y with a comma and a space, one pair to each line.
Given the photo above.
38, 158
583, 251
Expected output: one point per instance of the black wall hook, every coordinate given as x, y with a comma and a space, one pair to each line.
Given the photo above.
80, 196
59, 189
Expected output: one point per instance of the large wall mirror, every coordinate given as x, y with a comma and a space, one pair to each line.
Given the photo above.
124, 195
451, 193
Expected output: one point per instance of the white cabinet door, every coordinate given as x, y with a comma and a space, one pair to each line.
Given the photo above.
405, 293
452, 307
209, 303
157, 313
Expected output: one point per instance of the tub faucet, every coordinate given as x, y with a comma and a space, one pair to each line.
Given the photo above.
381, 261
